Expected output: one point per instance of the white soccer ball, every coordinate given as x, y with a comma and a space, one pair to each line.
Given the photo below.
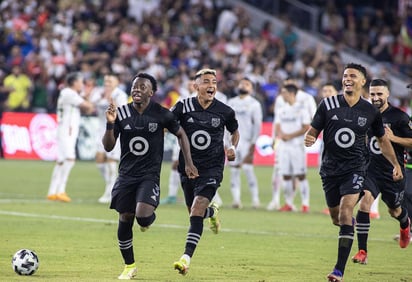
25, 262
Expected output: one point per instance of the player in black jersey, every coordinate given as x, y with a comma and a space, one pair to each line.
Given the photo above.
379, 177
204, 120
345, 120
140, 125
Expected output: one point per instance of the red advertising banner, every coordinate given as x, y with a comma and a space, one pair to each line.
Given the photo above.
33, 136
29, 136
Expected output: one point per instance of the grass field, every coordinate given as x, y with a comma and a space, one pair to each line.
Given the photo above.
78, 242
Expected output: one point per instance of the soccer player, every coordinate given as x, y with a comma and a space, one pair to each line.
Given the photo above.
69, 106
135, 194
379, 177
307, 102
291, 123
345, 120
249, 115
204, 119
107, 162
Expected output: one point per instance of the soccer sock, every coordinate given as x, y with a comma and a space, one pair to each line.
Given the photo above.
125, 237
362, 229
253, 184
66, 168
235, 184
403, 218
55, 179
102, 169
288, 192
304, 192
375, 204
276, 182
174, 180
111, 168
194, 234
209, 212
146, 221
345, 244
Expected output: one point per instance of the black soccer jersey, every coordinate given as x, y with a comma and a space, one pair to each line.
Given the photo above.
399, 122
141, 139
205, 129
344, 134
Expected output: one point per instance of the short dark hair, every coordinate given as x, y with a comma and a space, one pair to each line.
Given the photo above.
72, 77
149, 77
379, 82
291, 88
358, 67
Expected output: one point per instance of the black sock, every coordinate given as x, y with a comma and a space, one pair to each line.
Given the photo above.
403, 218
209, 212
125, 237
194, 234
345, 244
363, 224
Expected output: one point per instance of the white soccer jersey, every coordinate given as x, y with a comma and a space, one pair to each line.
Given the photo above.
291, 118
249, 115
68, 119
119, 98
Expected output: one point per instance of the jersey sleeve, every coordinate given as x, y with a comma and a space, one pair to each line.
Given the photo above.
319, 119
377, 126
231, 124
405, 126
257, 117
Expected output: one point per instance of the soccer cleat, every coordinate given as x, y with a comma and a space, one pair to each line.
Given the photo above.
144, 228
272, 206
255, 204
63, 197
335, 276
405, 236
214, 220
374, 215
52, 197
286, 208
105, 199
170, 200
397, 236
129, 271
361, 257
182, 266
305, 209
326, 211
237, 205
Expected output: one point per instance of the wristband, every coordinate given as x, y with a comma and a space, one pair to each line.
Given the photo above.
109, 126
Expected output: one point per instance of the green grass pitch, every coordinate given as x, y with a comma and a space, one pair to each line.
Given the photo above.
77, 241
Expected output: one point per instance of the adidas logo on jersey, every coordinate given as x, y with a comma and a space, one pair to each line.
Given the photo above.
335, 117
190, 120
127, 127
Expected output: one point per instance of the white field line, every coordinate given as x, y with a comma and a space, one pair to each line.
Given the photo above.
169, 226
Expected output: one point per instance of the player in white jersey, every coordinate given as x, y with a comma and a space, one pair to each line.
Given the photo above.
291, 122
249, 115
107, 162
69, 105
174, 177
306, 101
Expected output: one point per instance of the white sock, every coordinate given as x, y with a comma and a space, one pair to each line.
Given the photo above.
276, 183
66, 168
102, 169
174, 181
305, 192
55, 179
288, 192
253, 185
375, 205
111, 170
235, 184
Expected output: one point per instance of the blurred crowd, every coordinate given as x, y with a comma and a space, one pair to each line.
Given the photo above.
41, 41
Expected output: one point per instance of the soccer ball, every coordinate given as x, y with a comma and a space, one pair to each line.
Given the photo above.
25, 262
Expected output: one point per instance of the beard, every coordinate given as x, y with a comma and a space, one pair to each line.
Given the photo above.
242, 91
